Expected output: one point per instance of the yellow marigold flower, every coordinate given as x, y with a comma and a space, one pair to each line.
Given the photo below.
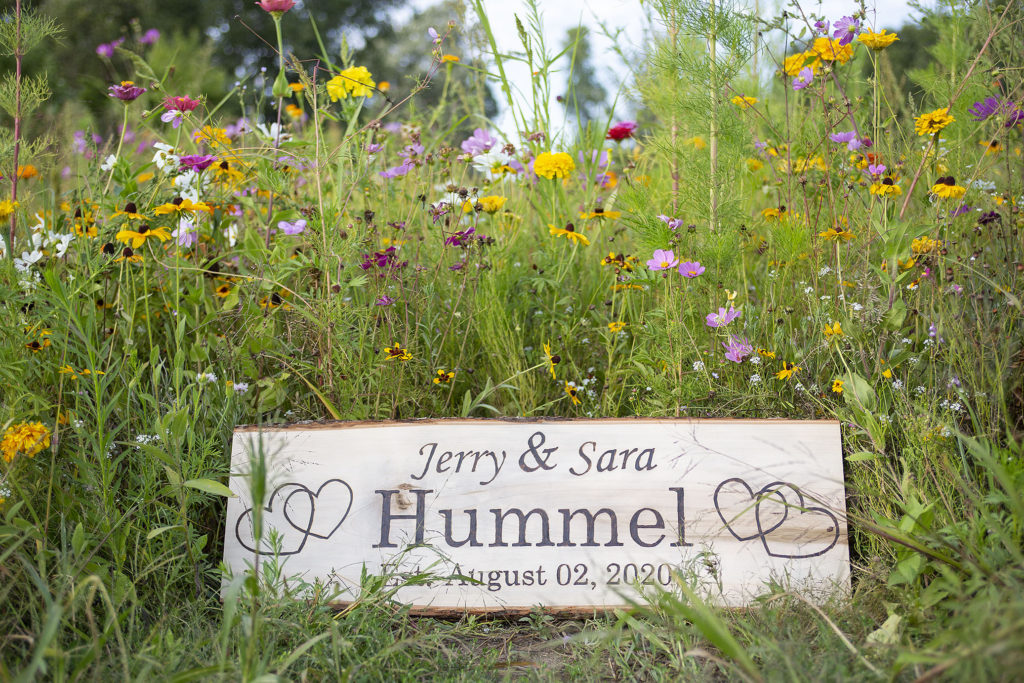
946, 188
573, 393
833, 330
837, 386
754, 165
136, 239
787, 371
697, 142
214, 137
835, 233
794, 63
26, 438
932, 122
553, 165
569, 232
489, 204
449, 58
396, 352
616, 326
743, 102
878, 41
27, 171
925, 245
355, 80
829, 50
443, 377
294, 111
297, 87
7, 207
384, 86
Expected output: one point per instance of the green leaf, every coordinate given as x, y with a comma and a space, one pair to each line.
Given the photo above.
159, 530
210, 486
78, 539
861, 456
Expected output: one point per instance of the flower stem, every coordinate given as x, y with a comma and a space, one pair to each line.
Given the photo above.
117, 154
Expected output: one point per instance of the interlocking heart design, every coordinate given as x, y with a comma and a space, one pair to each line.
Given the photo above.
297, 513
777, 514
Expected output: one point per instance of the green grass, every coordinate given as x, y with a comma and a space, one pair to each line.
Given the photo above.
111, 535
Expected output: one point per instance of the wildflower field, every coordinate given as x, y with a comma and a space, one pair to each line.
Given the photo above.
777, 215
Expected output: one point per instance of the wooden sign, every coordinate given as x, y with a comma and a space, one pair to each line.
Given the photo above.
574, 515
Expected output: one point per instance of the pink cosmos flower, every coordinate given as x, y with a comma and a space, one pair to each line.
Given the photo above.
662, 259
722, 318
276, 5
673, 223
737, 349
126, 92
197, 162
690, 269
182, 103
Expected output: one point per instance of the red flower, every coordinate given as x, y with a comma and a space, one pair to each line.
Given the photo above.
276, 5
184, 103
621, 130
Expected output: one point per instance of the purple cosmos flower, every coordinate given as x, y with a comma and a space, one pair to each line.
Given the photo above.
185, 234
722, 318
197, 162
985, 108
107, 49
459, 239
956, 289
959, 211
412, 150
601, 161
737, 349
1016, 116
876, 169
126, 91
479, 142
296, 228
384, 301
150, 37
396, 171
434, 36
662, 259
690, 269
804, 78
672, 223
849, 138
846, 30
821, 27
933, 332
374, 148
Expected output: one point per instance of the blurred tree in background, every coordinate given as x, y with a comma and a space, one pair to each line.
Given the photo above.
585, 97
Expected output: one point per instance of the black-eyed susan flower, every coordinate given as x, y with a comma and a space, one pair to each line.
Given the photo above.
136, 238
946, 188
131, 211
570, 233
41, 341
765, 353
128, 255
573, 393
275, 300
396, 352
443, 376
182, 205
553, 360
834, 233
787, 371
837, 386
223, 291
599, 213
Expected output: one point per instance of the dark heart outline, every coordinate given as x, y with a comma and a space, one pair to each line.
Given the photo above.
802, 510
755, 499
305, 531
308, 530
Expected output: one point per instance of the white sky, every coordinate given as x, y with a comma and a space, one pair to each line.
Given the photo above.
629, 15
